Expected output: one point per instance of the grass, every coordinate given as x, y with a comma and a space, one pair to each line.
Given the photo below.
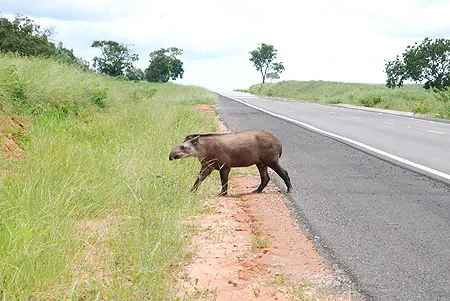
308, 291
94, 209
411, 98
259, 242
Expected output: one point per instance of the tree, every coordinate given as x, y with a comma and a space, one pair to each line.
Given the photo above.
272, 76
116, 58
164, 65
428, 62
25, 37
263, 59
135, 74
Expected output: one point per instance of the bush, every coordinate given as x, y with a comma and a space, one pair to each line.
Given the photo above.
370, 100
442, 96
98, 96
421, 108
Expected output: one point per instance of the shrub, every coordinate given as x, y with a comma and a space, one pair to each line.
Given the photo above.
370, 100
98, 96
421, 108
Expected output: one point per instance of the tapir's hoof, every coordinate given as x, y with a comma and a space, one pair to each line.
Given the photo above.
257, 191
223, 194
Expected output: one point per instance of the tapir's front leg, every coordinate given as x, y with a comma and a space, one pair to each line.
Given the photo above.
204, 172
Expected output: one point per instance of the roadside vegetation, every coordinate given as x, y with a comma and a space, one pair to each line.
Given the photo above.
409, 98
92, 208
426, 64
21, 35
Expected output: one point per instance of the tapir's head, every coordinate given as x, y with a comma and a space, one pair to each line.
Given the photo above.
190, 147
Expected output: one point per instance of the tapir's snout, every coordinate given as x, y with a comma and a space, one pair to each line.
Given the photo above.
173, 156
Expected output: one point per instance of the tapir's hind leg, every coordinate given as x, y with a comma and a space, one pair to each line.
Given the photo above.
224, 172
264, 177
283, 174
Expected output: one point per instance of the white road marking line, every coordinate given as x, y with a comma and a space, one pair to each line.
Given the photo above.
360, 144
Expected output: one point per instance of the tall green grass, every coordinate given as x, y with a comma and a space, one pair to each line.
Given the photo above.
95, 209
411, 98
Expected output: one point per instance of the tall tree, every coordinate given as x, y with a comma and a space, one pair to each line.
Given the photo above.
116, 58
164, 65
263, 59
428, 62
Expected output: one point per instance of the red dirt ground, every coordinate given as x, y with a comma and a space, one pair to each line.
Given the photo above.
8, 144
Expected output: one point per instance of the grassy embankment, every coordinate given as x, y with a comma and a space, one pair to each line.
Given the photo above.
411, 98
92, 209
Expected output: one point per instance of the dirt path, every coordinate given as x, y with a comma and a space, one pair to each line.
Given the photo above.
251, 248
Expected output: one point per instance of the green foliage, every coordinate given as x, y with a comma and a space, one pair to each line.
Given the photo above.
164, 65
13, 84
428, 62
96, 185
116, 58
272, 76
42, 86
98, 96
263, 58
24, 37
370, 100
443, 98
135, 74
65, 55
421, 108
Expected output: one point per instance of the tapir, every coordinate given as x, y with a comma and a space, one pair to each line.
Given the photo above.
240, 149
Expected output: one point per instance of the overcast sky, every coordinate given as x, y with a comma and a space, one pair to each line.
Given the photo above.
346, 40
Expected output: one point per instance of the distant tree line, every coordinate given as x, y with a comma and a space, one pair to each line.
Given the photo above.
23, 36
26, 38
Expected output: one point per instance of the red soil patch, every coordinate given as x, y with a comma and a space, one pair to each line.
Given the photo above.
204, 108
8, 143
230, 265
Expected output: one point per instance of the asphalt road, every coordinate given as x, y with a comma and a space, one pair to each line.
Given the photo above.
388, 227
425, 143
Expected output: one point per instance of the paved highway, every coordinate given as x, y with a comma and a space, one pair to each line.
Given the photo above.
386, 225
423, 144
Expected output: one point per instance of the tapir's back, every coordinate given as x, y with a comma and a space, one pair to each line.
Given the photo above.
246, 148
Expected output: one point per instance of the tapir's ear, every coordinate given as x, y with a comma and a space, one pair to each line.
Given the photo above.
195, 139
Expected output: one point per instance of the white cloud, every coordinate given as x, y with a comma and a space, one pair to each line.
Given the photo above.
346, 40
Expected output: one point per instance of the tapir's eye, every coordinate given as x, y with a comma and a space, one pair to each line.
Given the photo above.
182, 148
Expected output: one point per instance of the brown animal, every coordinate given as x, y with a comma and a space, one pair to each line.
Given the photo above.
224, 151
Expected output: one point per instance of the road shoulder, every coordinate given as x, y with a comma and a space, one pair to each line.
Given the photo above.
251, 247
